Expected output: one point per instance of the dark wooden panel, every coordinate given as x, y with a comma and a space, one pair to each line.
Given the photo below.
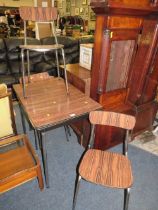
125, 67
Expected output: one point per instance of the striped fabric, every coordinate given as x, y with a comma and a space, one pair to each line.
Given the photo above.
40, 14
112, 119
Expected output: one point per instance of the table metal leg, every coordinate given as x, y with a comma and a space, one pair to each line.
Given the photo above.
36, 139
44, 158
65, 72
23, 72
22, 119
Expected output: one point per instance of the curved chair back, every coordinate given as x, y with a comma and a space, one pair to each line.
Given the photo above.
112, 119
39, 15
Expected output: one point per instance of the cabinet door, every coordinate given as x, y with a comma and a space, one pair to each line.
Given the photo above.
119, 46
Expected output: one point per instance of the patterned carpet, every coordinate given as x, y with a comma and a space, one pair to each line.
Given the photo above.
147, 141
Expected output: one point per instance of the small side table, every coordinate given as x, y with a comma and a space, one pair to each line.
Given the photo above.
81, 79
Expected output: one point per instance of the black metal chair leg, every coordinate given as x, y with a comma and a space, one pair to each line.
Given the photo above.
77, 185
67, 132
126, 198
36, 139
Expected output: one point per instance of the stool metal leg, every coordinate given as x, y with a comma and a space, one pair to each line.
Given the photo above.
56, 53
77, 185
65, 73
126, 198
28, 66
23, 72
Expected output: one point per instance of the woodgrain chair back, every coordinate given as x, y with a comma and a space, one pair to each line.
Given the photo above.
41, 14
112, 119
7, 119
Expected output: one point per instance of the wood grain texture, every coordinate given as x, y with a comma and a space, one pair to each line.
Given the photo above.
112, 119
38, 13
125, 7
125, 85
79, 77
106, 168
18, 163
47, 103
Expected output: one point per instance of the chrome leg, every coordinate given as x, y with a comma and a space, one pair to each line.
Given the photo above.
36, 139
65, 73
22, 119
125, 144
28, 66
44, 158
126, 198
56, 53
125, 148
23, 72
77, 185
39, 138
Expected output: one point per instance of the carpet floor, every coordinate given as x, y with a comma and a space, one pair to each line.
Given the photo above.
63, 158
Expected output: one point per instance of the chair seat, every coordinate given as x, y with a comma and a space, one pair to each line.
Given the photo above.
42, 48
106, 168
18, 163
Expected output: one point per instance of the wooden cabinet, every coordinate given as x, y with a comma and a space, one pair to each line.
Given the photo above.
81, 79
125, 63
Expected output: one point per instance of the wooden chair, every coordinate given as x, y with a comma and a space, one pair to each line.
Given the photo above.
18, 161
41, 15
103, 167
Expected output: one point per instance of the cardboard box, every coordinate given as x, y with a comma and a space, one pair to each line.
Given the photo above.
86, 51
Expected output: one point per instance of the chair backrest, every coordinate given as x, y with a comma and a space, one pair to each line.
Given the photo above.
112, 119
7, 120
39, 15
108, 118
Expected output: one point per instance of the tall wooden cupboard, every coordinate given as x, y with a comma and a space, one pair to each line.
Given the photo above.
125, 63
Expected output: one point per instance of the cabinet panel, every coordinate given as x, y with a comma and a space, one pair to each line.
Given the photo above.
116, 57
119, 22
120, 60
